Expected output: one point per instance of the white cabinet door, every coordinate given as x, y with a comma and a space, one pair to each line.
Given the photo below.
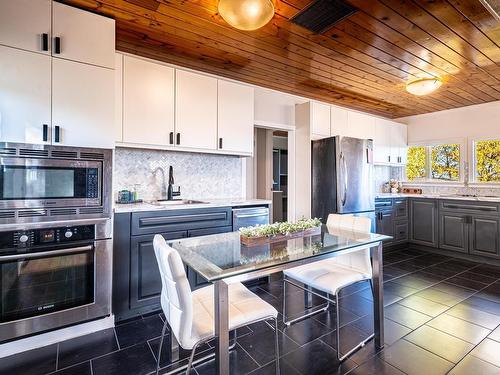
148, 102
320, 119
24, 96
23, 24
398, 143
195, 111
82, 104
338, 121
382, 141
235, 117
83, 36
360, 125
118, 97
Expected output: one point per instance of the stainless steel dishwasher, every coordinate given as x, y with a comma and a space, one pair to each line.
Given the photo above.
250, 216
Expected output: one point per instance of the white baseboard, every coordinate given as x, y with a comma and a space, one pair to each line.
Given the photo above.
54, 337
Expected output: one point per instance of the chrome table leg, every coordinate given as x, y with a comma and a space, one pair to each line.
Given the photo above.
378, 298
221, 315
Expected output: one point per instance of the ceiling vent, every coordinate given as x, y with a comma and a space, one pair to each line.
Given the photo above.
321, 15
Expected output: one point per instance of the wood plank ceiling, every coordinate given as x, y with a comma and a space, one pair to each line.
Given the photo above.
362, 62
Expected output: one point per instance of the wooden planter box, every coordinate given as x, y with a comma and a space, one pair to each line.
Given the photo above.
256, 241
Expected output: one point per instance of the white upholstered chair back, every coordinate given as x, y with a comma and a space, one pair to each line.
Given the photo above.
176, 298
359, 260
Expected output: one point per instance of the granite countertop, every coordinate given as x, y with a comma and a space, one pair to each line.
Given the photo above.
439, 196
207, 203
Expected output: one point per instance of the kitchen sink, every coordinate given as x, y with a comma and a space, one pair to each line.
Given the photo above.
176, 202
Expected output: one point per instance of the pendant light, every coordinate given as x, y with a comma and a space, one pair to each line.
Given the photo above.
423, 86
246, 14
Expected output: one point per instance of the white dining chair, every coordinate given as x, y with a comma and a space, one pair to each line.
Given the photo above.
190, 314
330, 276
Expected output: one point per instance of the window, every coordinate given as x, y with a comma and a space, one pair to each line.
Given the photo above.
487, 161
416, 166
439, 162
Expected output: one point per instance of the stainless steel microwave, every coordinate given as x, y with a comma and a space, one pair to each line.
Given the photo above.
54, 181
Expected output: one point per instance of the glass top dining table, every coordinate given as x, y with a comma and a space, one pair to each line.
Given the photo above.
223, 259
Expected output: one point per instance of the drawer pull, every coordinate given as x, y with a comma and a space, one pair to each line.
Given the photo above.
162, 220
467, 207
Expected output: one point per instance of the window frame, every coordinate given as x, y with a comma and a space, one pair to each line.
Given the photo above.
428, 180
473, 162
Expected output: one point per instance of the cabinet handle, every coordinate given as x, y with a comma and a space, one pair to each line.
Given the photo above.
220, 142
171, 138
178, 138
57, 134
45, 42
389, 158
45, 132
57, 45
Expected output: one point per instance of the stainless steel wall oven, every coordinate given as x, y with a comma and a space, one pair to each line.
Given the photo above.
51, 277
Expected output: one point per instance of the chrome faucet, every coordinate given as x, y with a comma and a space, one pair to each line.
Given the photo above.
167, 193
163, 191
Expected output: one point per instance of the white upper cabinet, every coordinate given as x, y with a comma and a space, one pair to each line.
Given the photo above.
235, 117
82, 36
320, 119
338, 121
390, 142
25, 24
399, 141
382, 141
118, 97
148, 102
195, 111
360, 125
24, 96
82, 104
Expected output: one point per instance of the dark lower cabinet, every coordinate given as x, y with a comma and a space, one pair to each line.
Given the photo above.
145, 282
385, 223
485, 236
136, 278
424, 222
454, 232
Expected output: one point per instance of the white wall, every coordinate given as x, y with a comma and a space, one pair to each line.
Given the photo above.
476, 121
275, 108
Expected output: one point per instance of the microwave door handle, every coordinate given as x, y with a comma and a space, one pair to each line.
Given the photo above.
42, 254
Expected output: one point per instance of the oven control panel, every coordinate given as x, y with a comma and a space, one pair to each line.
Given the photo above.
46, 236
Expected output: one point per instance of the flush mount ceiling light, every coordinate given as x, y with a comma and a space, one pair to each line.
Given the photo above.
246, 14
423, 86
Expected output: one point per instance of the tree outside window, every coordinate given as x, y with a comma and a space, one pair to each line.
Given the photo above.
487, 157
445, 162
430, 163
416, 164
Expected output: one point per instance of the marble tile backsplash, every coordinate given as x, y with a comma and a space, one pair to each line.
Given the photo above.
200, 176
454, 190
383, 174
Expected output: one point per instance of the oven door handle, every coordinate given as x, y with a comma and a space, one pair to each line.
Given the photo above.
42, 254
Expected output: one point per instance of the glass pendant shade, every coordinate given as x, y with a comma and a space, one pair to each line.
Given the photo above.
423, 86
246, 14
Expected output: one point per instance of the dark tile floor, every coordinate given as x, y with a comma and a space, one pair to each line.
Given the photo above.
442, 317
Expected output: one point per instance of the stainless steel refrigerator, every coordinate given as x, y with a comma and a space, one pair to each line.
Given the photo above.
342, 177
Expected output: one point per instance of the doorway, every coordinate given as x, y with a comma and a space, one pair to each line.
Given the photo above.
280, 176
272, 171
